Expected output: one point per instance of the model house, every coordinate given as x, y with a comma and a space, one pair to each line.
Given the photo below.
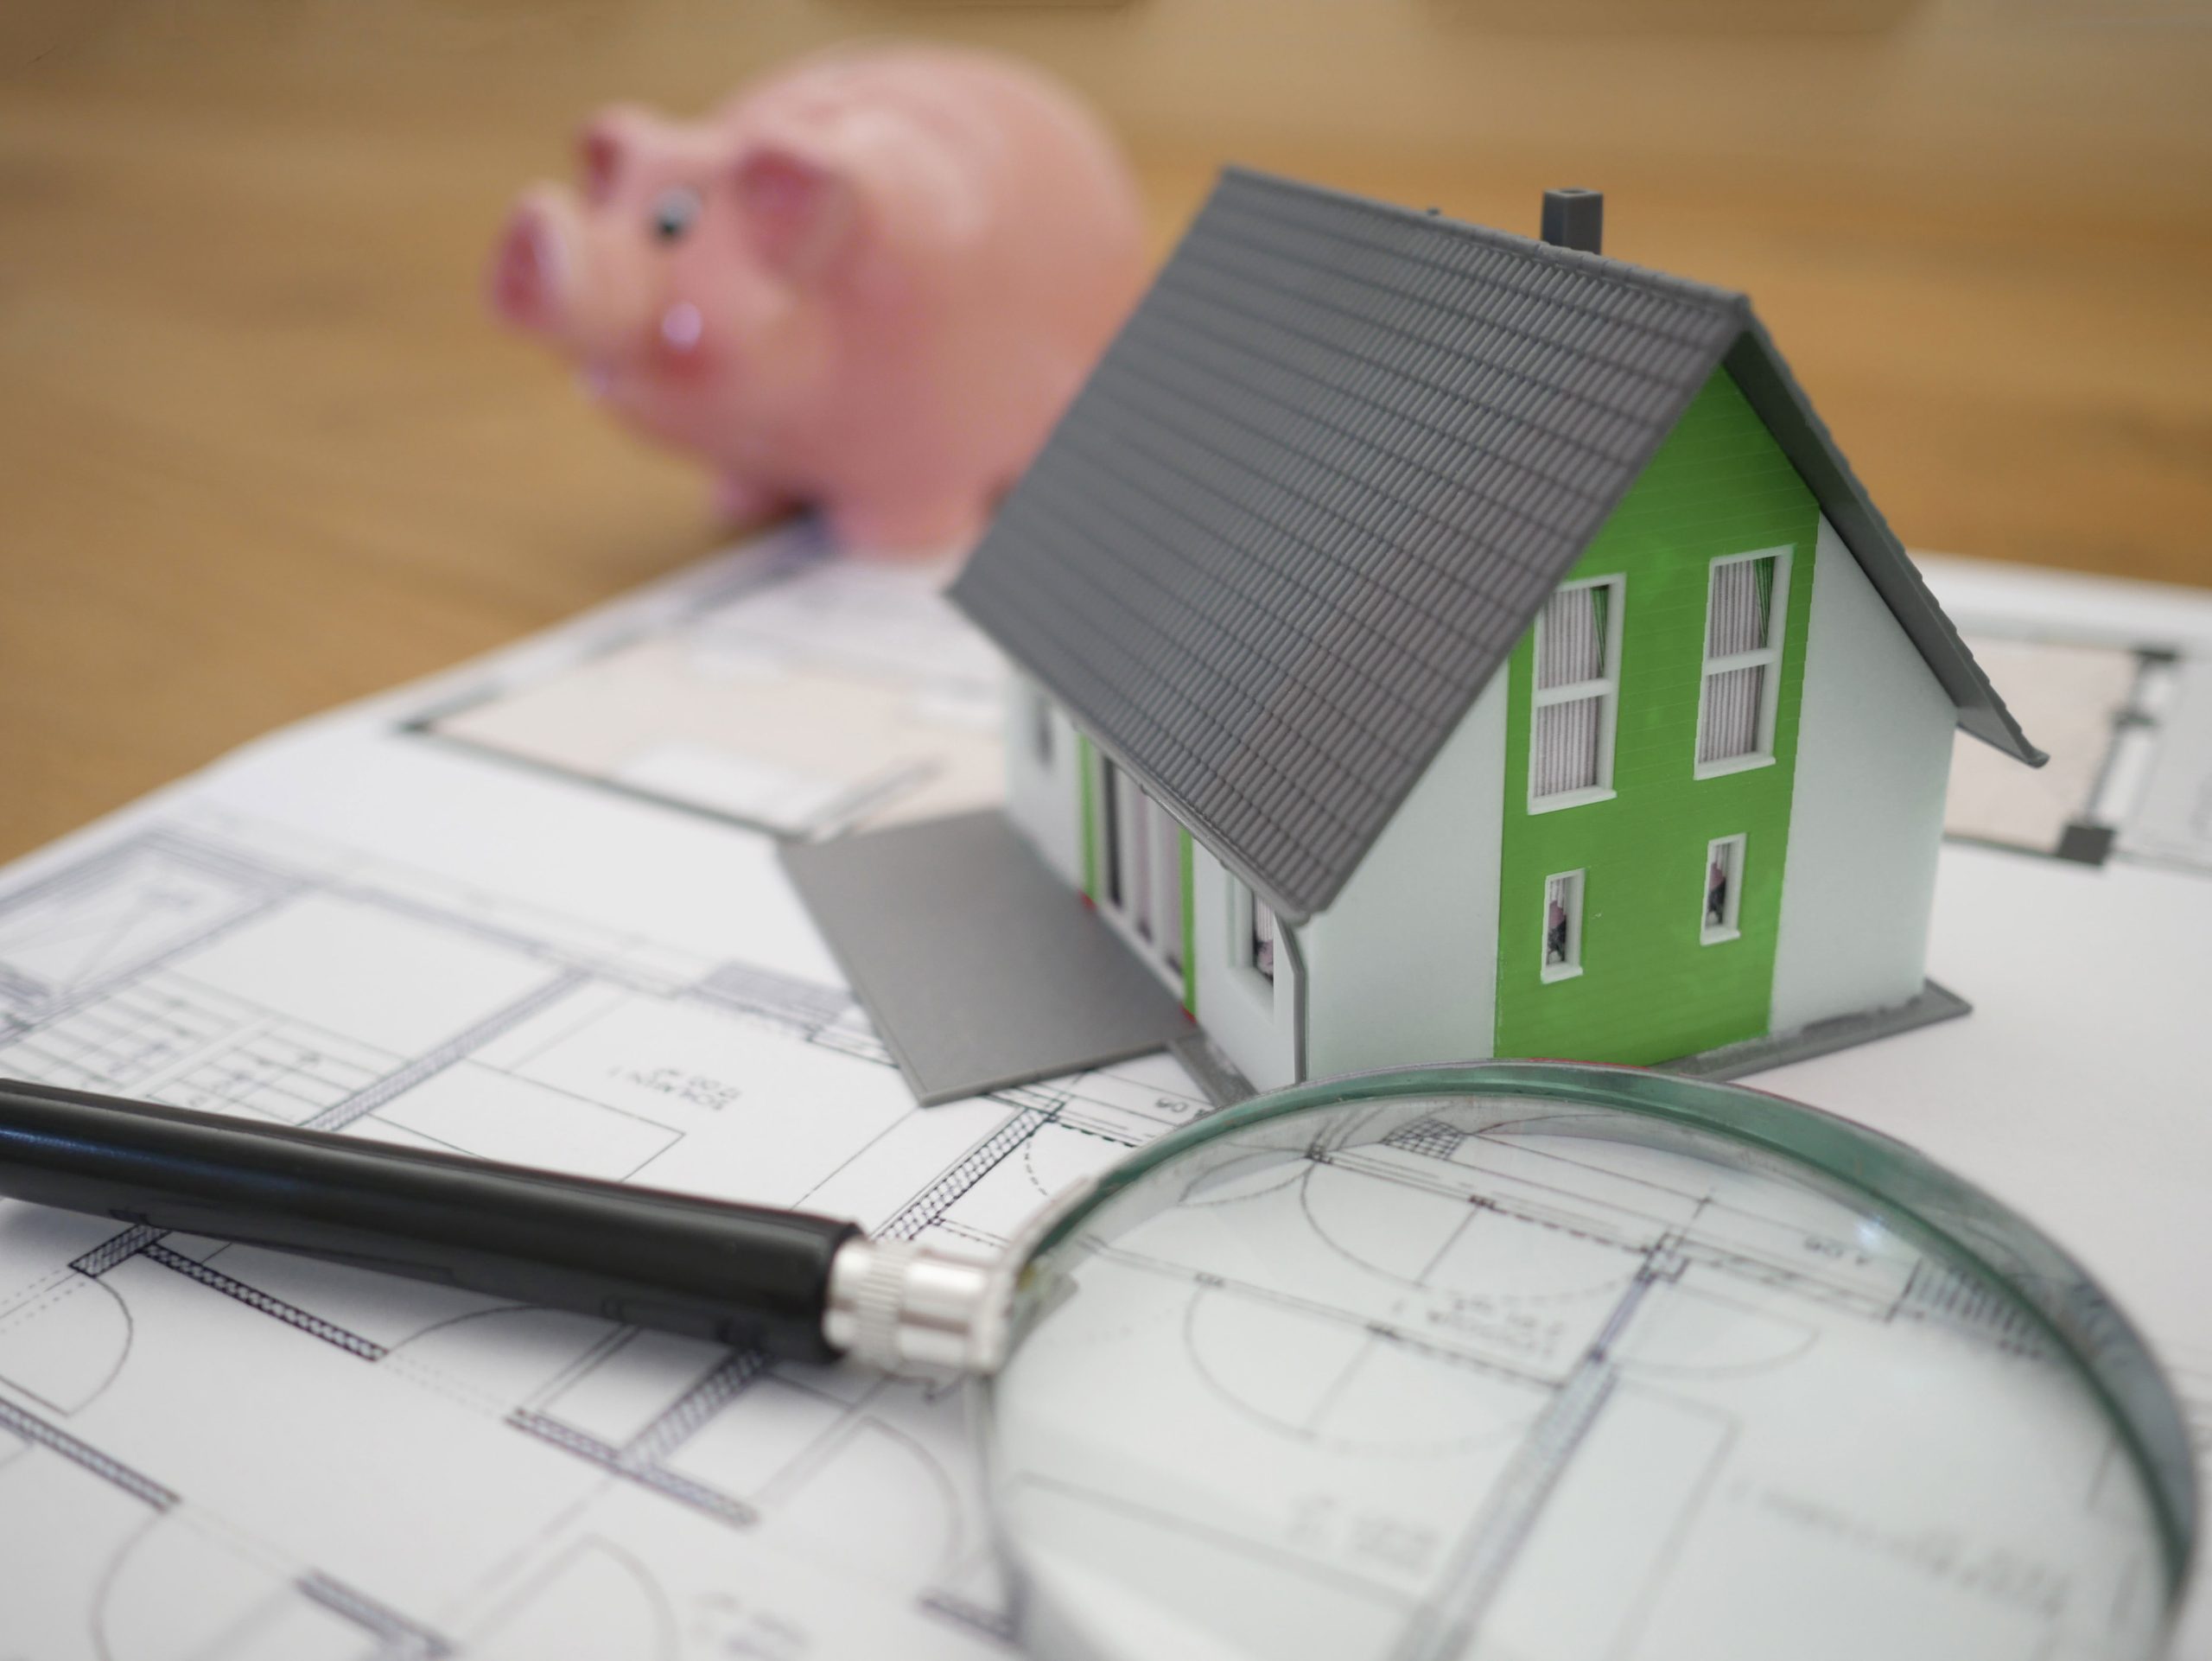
1431, 643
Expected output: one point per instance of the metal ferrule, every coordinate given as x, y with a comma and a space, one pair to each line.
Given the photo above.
896, 1304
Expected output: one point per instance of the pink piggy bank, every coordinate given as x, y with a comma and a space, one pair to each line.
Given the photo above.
869, 283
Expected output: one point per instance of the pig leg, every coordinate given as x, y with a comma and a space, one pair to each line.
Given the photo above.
918, 525
742, 500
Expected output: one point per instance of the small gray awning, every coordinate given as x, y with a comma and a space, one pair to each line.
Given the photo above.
980, 966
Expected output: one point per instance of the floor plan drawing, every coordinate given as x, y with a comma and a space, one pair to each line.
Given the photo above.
211, 1450
1493, 1383
2109, 713
571, 946
2119, 675
801, 693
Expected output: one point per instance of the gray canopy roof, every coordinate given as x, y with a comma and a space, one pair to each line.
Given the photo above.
1323, 481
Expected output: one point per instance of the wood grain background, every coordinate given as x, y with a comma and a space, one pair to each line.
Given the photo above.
261, 451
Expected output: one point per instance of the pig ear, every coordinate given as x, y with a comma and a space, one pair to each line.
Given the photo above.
800, 213
606, 146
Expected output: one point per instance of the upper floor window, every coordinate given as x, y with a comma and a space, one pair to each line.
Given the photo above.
1577, 695
1747, 600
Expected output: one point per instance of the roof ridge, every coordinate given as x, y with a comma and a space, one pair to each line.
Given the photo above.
1535, 248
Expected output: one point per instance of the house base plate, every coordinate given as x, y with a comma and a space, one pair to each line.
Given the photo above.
1933, 1004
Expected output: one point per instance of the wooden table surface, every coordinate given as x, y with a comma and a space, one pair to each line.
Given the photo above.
261, 451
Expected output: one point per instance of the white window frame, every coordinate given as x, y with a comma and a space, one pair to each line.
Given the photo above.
1606, 687
1768, 656
1711, 933
1148, 911
1576, 888
1164, 926
1117, 850
1244, 909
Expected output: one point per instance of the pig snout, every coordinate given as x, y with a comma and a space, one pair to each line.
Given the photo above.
532, 280
561, 273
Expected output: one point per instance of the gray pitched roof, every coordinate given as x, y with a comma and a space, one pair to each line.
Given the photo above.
1323, 481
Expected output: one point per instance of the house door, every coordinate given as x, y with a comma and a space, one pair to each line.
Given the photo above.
1143, 875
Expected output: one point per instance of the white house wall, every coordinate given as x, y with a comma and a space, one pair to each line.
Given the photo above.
1866, 811
1044, 799
1254, 1020
1403, 966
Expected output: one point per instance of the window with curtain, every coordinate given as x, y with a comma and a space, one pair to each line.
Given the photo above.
1263, 939
1724, 882
1743, 653
1251, 931
1562, 937
1571, 754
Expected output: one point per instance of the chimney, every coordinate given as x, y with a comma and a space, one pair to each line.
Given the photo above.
1575, 219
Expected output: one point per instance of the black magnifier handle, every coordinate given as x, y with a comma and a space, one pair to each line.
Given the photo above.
800, 1286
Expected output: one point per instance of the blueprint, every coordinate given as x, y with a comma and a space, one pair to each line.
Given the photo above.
460, 916
211, 1451
2122, 701
797, 694
1482, 1372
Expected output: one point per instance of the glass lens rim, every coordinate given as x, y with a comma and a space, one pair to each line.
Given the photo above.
2081, 1318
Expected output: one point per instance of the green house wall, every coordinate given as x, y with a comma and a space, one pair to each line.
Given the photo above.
1650, 990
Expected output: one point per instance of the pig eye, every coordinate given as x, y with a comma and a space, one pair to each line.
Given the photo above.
673, 211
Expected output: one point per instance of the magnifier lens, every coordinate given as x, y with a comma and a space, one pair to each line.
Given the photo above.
1482, 1374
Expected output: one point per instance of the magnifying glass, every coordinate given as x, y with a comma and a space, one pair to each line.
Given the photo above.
1537, 1360
1515, 1360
